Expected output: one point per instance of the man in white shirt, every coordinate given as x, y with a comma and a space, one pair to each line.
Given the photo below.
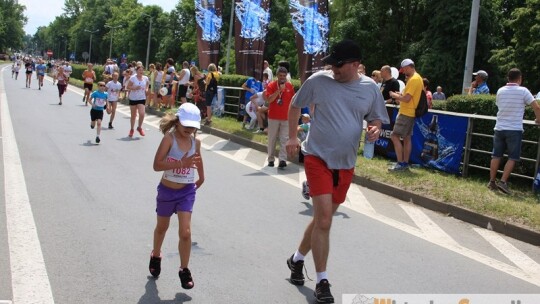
511, 101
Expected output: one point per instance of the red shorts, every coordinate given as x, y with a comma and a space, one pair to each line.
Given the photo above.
321, 179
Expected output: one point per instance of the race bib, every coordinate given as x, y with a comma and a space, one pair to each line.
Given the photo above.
179, 175
89, 79
100, 102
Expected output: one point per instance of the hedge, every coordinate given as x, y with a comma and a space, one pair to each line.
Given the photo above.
485, 105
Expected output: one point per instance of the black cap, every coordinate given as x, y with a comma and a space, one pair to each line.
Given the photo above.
342, 52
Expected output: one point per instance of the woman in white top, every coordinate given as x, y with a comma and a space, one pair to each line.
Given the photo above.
114, 87
138, 89
183, 81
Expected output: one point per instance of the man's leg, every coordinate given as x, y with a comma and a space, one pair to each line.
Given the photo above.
323, 210
398, 147
273, 126
493, 167
407, 148
508, 168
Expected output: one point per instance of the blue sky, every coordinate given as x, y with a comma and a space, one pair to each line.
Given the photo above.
41, 14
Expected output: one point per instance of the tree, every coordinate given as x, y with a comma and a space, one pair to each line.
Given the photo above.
524, 47
12, 21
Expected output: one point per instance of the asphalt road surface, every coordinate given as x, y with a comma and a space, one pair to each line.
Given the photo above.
77, 219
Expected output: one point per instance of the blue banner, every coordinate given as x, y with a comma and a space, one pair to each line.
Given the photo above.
311, 25
208, 17
437, 140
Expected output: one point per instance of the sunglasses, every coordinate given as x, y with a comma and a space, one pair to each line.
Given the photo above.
101, 85
339, 64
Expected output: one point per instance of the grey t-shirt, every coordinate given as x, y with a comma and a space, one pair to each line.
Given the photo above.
337, 121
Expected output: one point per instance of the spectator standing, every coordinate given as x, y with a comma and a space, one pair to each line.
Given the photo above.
279, 94
211, 90
268, 70
511, 101
183, 81
342, 99
168, 79
390, 84
376, 76
439, 95
479, 85
199, 87
403, 127
429, 96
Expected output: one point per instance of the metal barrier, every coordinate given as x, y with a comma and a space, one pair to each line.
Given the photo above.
233, 95
468, 142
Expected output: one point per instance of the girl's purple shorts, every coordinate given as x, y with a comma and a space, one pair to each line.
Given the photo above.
169, 201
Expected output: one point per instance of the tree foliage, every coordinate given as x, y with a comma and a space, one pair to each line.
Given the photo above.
12, 21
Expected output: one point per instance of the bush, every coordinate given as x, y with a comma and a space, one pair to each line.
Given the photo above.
78, 69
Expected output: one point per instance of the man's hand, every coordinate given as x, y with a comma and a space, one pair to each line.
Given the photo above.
292, 146
373, 133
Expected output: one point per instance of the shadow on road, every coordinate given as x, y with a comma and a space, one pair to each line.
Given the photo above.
309, 211
151, 295
306, 291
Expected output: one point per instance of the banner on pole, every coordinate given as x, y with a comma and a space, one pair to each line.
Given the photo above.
208, 15
311, 26
251, 25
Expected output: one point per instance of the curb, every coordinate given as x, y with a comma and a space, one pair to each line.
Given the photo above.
516, 232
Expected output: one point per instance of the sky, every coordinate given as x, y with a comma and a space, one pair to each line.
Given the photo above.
41, 14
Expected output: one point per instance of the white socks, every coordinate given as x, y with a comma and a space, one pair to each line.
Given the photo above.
321, 276
298, 257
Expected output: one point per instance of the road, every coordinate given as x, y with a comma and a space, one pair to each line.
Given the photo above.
76, 222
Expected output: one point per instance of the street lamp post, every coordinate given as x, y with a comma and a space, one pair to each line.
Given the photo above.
112, 31
90, 48
149, 36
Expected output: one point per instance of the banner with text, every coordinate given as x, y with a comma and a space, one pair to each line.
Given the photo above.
311, 27
208, 15
251, 25
437, 140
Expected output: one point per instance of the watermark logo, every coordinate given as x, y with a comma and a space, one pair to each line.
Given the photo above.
441, 298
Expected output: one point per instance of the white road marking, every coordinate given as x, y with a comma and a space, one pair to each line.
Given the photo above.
426, 225
30, 282
218, 145
241, 153
5, 302
517, 257
357, 201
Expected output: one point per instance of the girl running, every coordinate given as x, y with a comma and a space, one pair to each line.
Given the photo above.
28, 68
89, 76
113, 89
40, 71
61, 79
178, 156
138, 89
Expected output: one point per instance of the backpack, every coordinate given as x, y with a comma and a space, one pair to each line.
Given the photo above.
422, 107
212, 86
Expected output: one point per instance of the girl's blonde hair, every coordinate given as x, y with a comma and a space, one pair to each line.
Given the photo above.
194, 70
168, 123
212, 68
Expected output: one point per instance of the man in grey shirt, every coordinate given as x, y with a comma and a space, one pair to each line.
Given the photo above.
340, 100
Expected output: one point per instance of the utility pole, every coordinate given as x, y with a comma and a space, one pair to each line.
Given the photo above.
229, 38
90, 48
149, 36
471, 46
